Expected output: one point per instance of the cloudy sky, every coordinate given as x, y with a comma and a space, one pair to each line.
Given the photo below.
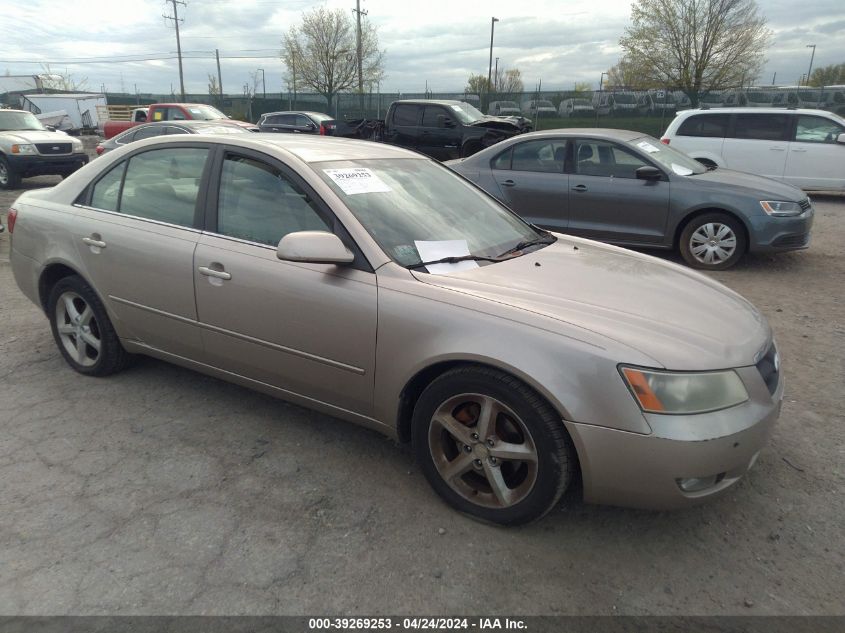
557, 41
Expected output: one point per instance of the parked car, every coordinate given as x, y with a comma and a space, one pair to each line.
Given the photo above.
626, 188
748, 99
149, 130
503, 108
173, 112
28, 149
373, 284
298, 123
538, 107
615, 103
576, 107
711, 100
445, 129
805, 148
656, 103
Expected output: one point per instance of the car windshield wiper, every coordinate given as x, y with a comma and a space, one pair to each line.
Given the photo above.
548, 238
456, 259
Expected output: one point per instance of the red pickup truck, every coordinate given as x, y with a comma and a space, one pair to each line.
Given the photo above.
173, 112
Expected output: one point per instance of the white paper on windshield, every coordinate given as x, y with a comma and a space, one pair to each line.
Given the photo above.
354, 180
681, 170
457, 108
648, 147
430, 251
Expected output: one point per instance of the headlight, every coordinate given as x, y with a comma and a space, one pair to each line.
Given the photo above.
780, 208
77, 145
24, 148
681, 392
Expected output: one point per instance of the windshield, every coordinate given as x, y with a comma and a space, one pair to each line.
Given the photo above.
204, 112
466, 113
412, 206
623, 98
10, 120
671, 159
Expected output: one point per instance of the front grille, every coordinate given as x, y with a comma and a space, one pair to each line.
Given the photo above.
769, 368
795, 241
805, 204
53, 148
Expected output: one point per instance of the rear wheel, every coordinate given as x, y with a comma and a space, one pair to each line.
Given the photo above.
713, 241
491, 446
82, 329
8, 178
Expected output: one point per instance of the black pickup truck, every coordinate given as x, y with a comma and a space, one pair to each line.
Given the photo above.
442, 129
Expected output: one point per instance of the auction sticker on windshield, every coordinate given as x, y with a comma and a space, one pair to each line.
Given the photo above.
648, 147
354, 180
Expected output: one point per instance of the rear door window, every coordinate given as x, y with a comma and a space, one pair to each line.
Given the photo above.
406, 114
149, 132
106, 192
762, 127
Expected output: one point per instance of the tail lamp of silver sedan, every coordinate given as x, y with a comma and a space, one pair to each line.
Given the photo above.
373, 284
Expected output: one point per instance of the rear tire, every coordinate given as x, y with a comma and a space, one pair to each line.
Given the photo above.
82, 329
491, 446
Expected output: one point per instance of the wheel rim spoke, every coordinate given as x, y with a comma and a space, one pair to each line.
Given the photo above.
81, 351
66, 329
91, 340
487, 418
70, 308
458, 466
454, 428
86, 316
497, 484
513, 452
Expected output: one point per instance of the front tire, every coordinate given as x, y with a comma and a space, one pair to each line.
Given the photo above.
8, 178
82, 329
713, 241
491, 447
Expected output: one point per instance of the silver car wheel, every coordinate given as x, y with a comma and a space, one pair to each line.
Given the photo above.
713, 243
483, 450
4, 174
78, 330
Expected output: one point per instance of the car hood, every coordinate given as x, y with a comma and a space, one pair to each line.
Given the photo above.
760, 186
505, 123
36, 136
678, 317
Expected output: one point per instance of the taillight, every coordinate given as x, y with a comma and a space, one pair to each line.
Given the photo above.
100, 149
10, 219
664, 140
322, 129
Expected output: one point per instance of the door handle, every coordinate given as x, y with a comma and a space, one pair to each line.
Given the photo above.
579, 188
799, 150
92, 242
509, 183
210, 272
777, 149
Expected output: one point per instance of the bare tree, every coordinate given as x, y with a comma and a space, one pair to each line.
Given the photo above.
696, 45
321, 53
213, 88
828, 75
477, 85
509, 82
52, 80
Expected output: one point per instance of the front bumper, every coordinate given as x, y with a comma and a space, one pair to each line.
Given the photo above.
771, 234
644, 471
29, 165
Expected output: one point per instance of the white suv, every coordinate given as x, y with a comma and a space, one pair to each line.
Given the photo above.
805, 148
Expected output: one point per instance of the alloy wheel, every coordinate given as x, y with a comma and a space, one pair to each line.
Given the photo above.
483, 450
78, 329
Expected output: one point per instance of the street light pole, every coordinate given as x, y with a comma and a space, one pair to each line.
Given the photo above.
490, 65
601, 83
263, 83
812, 55
496, 76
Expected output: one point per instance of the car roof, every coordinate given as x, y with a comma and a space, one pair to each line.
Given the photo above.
686, 113
307, 148
296, 112
593, 132
431, 101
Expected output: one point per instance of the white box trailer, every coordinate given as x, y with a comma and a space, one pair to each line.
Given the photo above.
81, 108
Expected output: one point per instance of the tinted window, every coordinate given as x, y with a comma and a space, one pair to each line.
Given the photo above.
258, 203
287, 119
302, 120
107, 189
764, 127
149, 132
270, 120
162, 184
543, 156
709, 125
406, 114
430, 115
180, 130
175, 114
601, 158
816, 129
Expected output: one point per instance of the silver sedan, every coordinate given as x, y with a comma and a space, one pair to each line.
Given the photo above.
372, 283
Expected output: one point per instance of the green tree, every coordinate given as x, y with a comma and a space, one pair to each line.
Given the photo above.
696, 45
321, 53
828, 75
626, 74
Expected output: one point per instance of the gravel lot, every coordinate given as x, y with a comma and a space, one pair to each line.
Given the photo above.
163, 491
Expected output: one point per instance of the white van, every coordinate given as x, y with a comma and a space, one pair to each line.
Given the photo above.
539, 107
615, 103
805, 148
575, 107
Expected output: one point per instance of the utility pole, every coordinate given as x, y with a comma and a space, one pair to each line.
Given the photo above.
357, 10
490, 64
813, 46
219, 78
176, 20
496, 76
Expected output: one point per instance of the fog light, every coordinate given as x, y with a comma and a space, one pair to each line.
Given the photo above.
697, 484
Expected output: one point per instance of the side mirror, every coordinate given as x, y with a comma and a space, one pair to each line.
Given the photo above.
314, 247
52, 128
840, 138
647, 172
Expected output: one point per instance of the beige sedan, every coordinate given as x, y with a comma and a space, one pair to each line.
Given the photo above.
373, 284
